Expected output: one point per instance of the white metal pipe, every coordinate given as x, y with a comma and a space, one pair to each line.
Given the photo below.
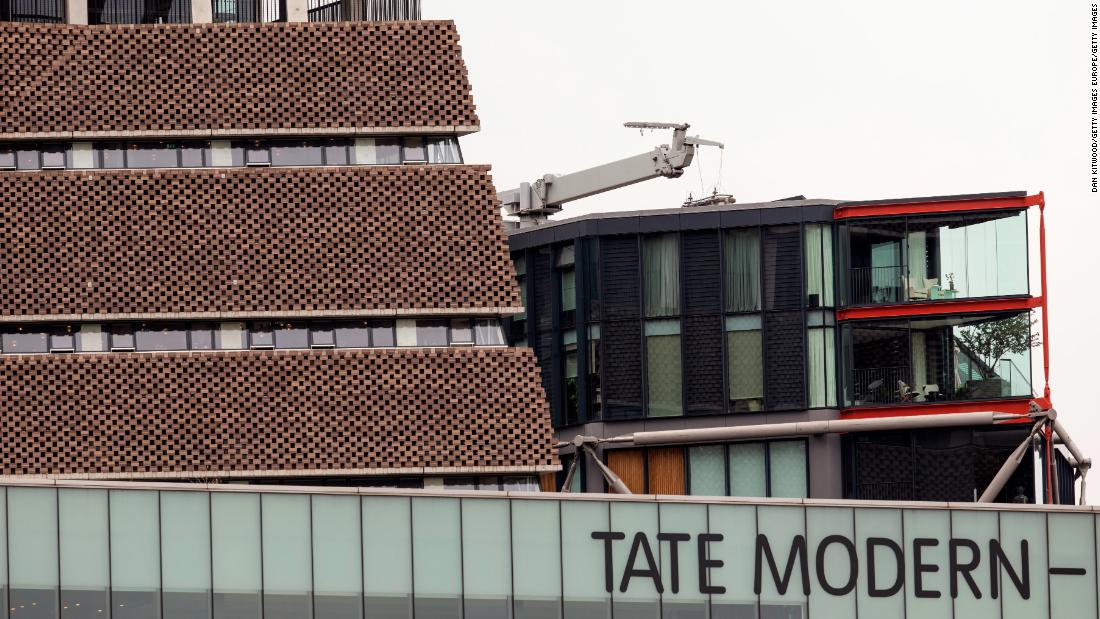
1009, 467
774, 430
613, 480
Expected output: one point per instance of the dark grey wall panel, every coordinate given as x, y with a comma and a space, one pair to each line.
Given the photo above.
703, 387
782, 268
540, 280
784, 355
702, 281
622, 369
619, 266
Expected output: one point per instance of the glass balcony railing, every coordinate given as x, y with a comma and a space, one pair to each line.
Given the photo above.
936, 258
940, 359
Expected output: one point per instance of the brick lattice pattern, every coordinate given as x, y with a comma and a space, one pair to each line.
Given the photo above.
146, 78
252, 240
272, 411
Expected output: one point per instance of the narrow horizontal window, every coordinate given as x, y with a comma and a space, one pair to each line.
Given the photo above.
122, 337
431, 332
352, 334
160, 336
261, 335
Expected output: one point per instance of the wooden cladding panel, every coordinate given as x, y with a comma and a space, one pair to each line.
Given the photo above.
666, 470
629, 465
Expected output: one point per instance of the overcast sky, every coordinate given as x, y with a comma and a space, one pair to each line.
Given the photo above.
853, 99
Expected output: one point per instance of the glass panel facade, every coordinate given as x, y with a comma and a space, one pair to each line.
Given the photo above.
748, 470
938, 257
661, 254
787, 469
663, 368
960, 357
533, 558
707, 470
742, 262
821, 366
818, 239
745, 363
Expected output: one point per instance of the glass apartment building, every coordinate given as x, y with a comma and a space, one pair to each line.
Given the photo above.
789, 311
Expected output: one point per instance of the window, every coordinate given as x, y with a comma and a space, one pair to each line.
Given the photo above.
444, 150
202, 336
257, 153
53, 156
112, 155
745, 359
261, 335
231, 336
776, 468
821, 358
819, 265
25, 339
461, 331
352, 334
90, 338
661, 254
569, 382
518, 328
321, 335
413, 150
387, 151
26, 157
742, 265
431, 332
296, 153
122, 337
664, 376
62, 338
951, 358
152, 155
7, 157
336, 152
161, 336
487, 332
568, 286
594, 394
382, 333
192, 154
291, 335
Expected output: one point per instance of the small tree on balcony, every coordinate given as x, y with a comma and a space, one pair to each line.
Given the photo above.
994, 339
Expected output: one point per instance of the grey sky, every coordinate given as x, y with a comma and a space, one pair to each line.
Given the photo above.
855, 99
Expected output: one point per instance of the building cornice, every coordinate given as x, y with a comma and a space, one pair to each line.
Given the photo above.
241, 132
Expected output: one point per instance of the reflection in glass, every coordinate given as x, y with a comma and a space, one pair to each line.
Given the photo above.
135, 554
185, 554
337, 565
742, 258
235, 544
287, 556
32, 552
707, 470
748, 475
745, 359
661, 255
84, 553
787, 469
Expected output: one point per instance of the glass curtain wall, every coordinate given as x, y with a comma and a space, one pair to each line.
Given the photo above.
821, 358
564, 265
664, 376
937, 257
744, 342
819, 265
757, 469
969, 357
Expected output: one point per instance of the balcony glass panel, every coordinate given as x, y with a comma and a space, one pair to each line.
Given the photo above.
939, 257
976, 357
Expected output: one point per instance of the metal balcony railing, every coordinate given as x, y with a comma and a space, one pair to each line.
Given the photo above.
873, 285
881, 385
886, 491
33, 11
248, 11
363, 10
139, 11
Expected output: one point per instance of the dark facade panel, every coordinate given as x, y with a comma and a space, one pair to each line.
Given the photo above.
158, 78
200, 413
619, 268
622, 369
782, 268
703, 366
702, 281
784, 356
252, 239
540, 275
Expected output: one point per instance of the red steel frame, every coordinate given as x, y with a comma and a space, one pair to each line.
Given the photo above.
1020, 407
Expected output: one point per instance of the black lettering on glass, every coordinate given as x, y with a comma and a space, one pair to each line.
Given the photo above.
919, 568
798, 551
705, 563
674, 540
642, 542
853, 565
997, 559
964, 568
608, 537
899, 579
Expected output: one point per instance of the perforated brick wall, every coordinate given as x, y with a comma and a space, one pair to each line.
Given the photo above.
272, 411
232, 77
252, 240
